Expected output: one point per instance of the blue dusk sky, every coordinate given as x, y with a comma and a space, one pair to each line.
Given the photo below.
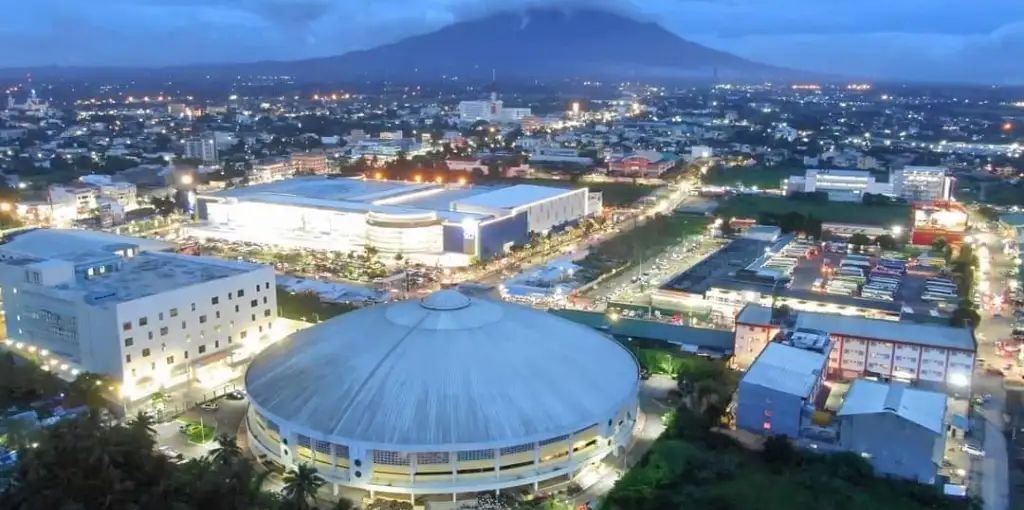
946, 40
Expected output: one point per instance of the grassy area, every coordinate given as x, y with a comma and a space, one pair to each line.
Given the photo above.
614, 193
849, 212
198, 432
646, 240
306, 306
761, 176
691, 466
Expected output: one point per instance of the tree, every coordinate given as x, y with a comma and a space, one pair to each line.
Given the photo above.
965, 314
779, 451
860, 239
343, 504
142, 425
227, 451
300, 486
886, 242
164, 206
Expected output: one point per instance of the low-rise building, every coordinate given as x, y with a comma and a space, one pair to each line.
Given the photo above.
313, 162
900, 430
642, 164
929, 355
777, 394
270, 170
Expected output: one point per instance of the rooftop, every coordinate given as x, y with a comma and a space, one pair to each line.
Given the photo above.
925, 408
786, 369
688, 338
513, 196
69, 244
447, 371
904, 331
152, 273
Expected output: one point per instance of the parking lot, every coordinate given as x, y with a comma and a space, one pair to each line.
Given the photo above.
225, 418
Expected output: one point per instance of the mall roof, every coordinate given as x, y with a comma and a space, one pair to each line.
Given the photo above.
45, 243
443, 371
925, 408
514, 196
786, 369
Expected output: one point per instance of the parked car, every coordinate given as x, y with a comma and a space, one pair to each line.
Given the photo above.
235, 395
973, 449
209, 406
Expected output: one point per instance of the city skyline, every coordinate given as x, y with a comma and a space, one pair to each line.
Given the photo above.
943, 41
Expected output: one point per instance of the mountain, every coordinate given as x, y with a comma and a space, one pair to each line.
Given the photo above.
532, 44
537, 43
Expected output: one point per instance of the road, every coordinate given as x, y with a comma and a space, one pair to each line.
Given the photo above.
990, 474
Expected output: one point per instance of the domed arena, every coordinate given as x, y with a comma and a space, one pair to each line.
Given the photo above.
445, 395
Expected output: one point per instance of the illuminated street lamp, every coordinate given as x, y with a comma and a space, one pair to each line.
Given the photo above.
186, 179
897, 230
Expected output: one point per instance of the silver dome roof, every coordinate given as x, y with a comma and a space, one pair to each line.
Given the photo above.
445, 370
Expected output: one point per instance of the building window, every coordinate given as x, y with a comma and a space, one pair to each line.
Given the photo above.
253, 303
230, 295
202, 319
160, 316
554, 440
193, 307
264, 299
432, 458
143, 321
266, 313
217, 314
215, 300
127, 326
216, 344
322, 446
229, 339
163, 331
476, 455
241, 292
509, 450
127, 358
390, 458
174, 312
145, 352
128, 342
186, 354
170, 360
149, 335
243, 334
184, 324
236, 308
252, 317
202, 349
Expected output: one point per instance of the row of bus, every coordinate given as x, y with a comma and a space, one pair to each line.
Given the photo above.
860, 275
940, 289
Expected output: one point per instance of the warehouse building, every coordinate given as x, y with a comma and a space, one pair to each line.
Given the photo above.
876, 416
777, 394
429, 223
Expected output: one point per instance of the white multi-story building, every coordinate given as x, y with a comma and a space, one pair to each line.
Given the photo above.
314, 162
152, 320
270, 170
492, 110
922, 183
203, 148
841, 185
90, 193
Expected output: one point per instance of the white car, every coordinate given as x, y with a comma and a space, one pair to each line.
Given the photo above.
971, 449
209, 406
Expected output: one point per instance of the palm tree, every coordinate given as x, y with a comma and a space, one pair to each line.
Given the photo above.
300, 485
143, 423
227, 452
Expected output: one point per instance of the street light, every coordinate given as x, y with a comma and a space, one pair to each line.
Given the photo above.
187, 179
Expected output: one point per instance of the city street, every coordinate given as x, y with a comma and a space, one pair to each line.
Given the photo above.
990, 474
